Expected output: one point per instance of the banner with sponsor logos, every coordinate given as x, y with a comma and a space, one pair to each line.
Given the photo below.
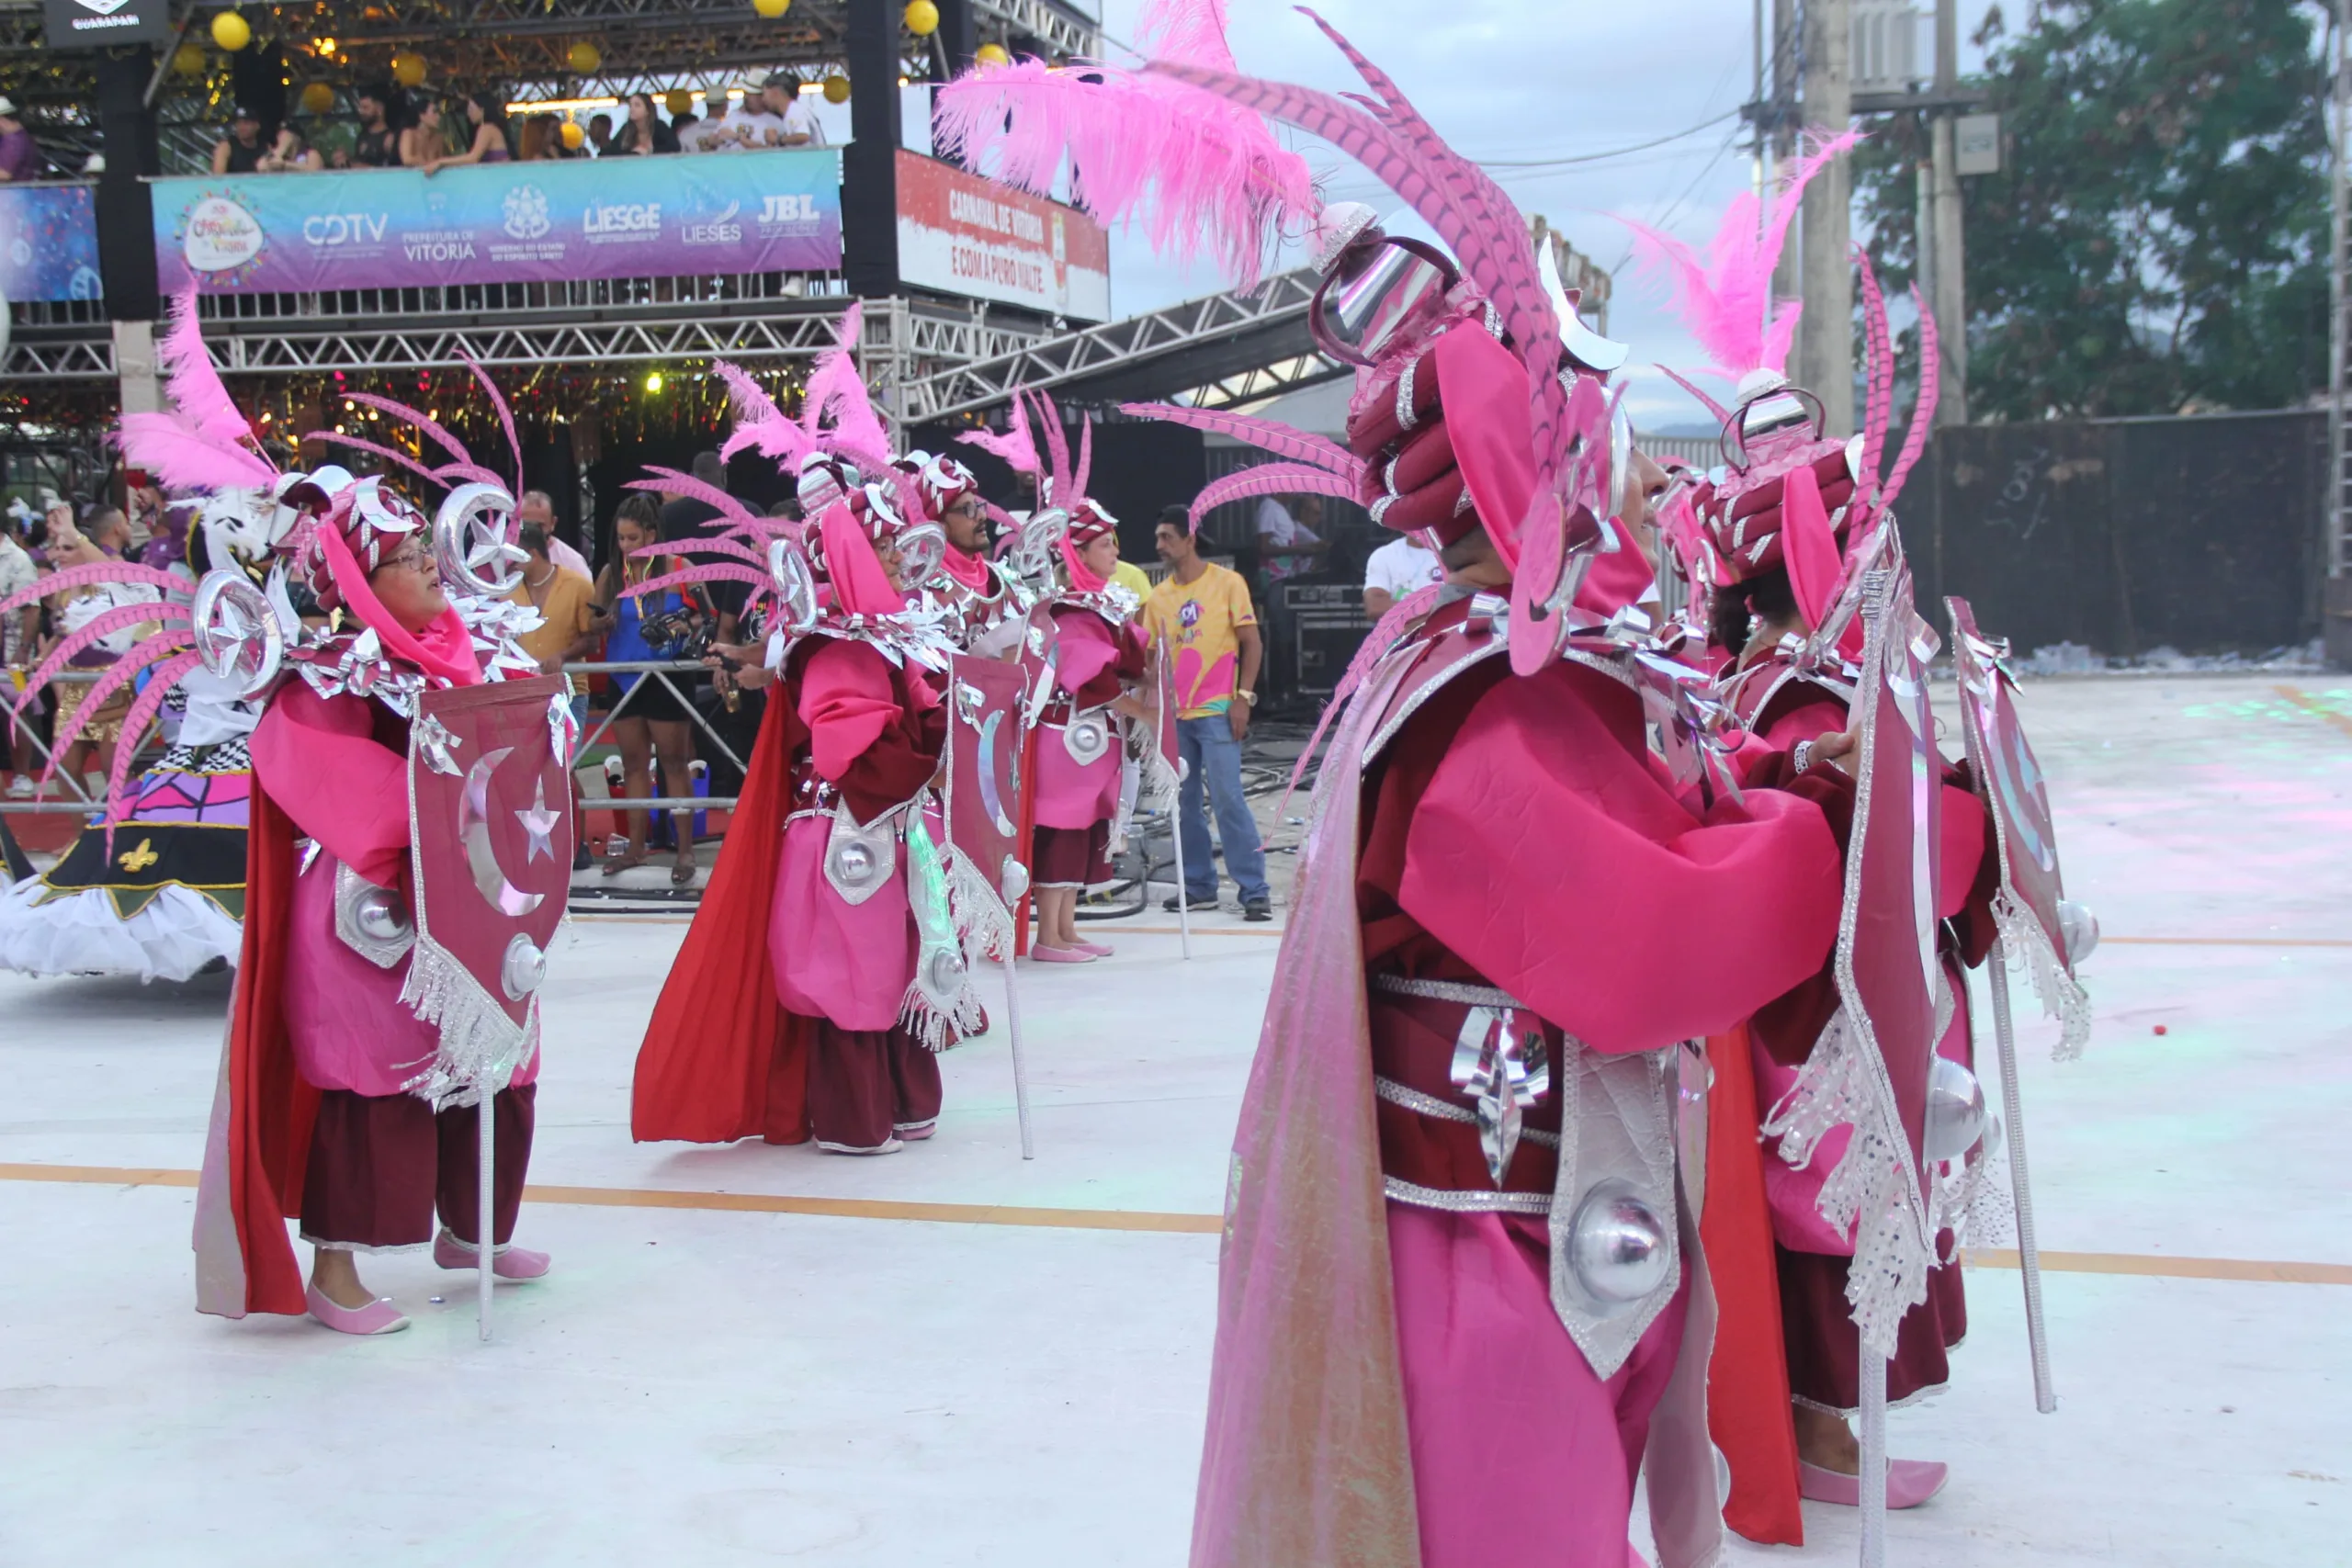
962, 234
541, 222
49, 243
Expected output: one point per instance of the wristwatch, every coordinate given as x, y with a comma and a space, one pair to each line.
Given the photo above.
1249, 698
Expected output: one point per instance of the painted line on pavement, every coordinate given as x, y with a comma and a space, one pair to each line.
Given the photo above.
2145, 1265
2304, 701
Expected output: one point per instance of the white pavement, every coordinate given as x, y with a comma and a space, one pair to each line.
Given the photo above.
715, 1385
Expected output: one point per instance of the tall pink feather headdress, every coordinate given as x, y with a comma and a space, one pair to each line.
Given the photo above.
1195, 171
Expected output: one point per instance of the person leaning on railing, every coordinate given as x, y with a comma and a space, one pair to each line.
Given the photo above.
655, 719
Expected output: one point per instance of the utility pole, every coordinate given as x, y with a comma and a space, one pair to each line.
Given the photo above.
1826, 332
1788, 278
1946, 289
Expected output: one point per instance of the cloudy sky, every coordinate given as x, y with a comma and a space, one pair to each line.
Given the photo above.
1520, 80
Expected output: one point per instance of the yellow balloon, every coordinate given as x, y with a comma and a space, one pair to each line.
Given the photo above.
923, 17
584, 57
771, 9
837, 89
677, 100
993, 54
188, 60
230, 31
318, 99
572, 136
408, 69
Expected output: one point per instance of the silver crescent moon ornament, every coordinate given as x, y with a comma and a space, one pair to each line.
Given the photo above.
473, 832
990, 796
237, 633
473, 540
922, 548
796, 588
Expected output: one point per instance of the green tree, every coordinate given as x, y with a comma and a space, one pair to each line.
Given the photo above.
2157, 236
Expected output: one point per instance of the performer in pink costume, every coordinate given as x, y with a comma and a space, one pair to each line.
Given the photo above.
823, 971
1784, 533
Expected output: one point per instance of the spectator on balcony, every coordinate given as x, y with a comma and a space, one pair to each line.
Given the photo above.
486, 122
378, 143
538, 510
20, 157
780, 97
600, 135
289, 154
424, 141
240, 151
645, 132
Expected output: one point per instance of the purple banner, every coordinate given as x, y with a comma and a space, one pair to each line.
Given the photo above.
542, 221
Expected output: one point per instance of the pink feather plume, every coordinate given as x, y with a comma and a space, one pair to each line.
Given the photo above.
90, 575
1725, 297
177, 457
686, 485
1269, 479
389, 454
204, 404
1017, 448
118, 674
1878, 407
1085, 470
105, 622
1923, 412
506, 419
1266, 435
1197, 172
168, 674
710, 571
837, 390
1049, 420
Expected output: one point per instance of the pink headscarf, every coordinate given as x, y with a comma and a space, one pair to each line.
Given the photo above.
860, 585
972, 572
444, 650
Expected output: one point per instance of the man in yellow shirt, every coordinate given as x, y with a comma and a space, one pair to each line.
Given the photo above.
1129, 576
1201, 615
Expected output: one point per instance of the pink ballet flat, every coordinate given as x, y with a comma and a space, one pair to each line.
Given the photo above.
1909, 1483
1060, 956
917, 1134
887, 1146
378, 1316
1100, 950
514, 1263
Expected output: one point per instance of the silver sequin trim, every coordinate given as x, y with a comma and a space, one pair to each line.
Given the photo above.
1412, 705
1452, 1203
1448, 991
1429, 1105
1404, 419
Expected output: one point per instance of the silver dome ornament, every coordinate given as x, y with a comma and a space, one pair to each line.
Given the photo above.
859, 860
1014, 880
523, 970
1617, 1248
1956, 1111
2079, 928
382, 915
237, 633
1086, 739
473, 539
944, 975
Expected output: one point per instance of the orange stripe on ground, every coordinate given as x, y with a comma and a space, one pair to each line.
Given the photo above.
732, 1203
2151, 1265
2323, 714
2145, 1265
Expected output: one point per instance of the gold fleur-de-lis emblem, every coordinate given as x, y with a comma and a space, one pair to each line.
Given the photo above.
139, 860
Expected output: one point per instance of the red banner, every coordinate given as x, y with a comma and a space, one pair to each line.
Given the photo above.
962, 234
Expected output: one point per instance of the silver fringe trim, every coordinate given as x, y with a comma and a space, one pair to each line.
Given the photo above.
2061, 996
931, 1027
480, 1045
1462, 991
1862, 1197
982, 920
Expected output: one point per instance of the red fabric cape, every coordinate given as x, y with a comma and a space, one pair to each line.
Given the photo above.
721, 1059
1747, 1377
270, 1106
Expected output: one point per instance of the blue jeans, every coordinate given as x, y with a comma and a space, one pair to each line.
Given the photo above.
1213, 758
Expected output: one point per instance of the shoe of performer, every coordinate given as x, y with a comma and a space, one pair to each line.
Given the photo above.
1909, 1483
917, 1132
20, 787
1042, 954
886, 1146
514, 1263
378, 1316
1191, 901
1257, 911
1099, 949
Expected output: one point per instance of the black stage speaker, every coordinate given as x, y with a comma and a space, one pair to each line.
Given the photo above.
1328, 625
